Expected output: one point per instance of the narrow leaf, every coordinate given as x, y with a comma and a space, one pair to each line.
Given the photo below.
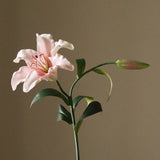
99, 71
93, 108
64, 115
80, 66
49, 92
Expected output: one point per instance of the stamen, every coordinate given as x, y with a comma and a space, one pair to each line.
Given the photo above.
34, 57
41, 64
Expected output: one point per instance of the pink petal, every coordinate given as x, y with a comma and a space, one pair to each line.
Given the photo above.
51, 75
26, 55
31, 80
61, 44
45, 43
61, 62
19, 76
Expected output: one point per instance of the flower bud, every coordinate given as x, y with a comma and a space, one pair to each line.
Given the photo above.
131, 64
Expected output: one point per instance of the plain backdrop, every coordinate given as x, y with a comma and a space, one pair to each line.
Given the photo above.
101, 31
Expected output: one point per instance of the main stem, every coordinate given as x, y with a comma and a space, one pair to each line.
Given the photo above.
71, 104
73, 120
72, 110
75, 134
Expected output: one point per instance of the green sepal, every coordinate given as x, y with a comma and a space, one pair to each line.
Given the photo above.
77, 99
80, 66
64, 115
100, 71
49, 92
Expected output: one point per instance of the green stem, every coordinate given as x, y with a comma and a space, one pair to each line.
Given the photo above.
71, 104
93, 68
75, 134
72, 110
61, 89
73, 120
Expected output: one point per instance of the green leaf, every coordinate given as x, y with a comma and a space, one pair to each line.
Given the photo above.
80, 66
49, 92
64, 115
99, 71
76, 100
93, 108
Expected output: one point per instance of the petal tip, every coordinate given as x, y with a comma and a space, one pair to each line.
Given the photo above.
37, 34
13, 88
16, 60
72, 68
72, 47
25, 89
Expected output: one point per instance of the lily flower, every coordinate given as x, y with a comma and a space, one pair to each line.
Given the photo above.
41, 64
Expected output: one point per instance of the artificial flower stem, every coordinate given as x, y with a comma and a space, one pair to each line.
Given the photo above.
61, 89
73, 120
74, 131
93, 68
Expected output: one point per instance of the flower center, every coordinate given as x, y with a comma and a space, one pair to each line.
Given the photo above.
41, 64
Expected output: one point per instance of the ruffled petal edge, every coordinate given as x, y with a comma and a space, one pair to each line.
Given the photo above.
62, 62
61, 44
26, 55
19, 76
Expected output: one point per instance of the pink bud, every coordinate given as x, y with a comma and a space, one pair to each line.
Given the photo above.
131, 64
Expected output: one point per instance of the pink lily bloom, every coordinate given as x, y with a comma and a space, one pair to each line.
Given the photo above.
41, 64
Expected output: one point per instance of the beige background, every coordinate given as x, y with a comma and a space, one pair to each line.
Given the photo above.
101, 30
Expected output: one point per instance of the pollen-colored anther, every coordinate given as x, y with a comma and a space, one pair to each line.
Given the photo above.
41, 64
